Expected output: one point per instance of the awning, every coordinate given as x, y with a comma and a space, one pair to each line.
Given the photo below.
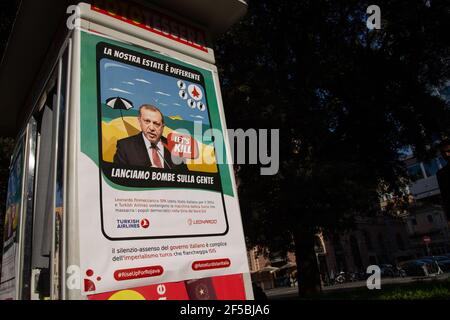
288, 266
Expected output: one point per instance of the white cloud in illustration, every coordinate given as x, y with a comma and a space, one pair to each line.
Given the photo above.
162, 93
143, 81
120, 90
116, 65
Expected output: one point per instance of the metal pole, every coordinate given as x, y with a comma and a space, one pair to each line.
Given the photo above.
428, 248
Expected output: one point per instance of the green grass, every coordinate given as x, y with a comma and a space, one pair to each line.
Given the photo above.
418, 292
427, 290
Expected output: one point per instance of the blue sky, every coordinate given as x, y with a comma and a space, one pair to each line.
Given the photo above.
142, 86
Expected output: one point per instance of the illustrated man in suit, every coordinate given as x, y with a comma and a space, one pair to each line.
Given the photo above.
149, 147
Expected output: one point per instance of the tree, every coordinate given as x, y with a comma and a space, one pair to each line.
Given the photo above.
347, 100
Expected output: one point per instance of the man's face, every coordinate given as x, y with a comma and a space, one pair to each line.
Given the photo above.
445, 151
151, 125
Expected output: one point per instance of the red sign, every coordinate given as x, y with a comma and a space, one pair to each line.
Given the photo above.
167, 291
182, 146
217, 288
426, 239
145, 223
211, 264
137, 273
152, 21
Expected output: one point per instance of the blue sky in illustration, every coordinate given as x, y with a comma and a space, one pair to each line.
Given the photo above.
142, 86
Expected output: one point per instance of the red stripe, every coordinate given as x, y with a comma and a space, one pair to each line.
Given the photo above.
148, 28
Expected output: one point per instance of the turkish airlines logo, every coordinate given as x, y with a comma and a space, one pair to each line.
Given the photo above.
145, 223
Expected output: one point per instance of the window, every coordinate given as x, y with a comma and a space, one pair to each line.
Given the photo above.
442, 161
318, 245
381, 242
48, 254
431, 167
367, 240
28, 210
400, 243
43, 206
355, 252
415, 172
337, 244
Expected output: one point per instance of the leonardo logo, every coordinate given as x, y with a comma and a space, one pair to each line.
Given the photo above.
145, 223
204, 222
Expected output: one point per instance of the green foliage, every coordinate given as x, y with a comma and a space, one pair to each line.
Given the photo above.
424, 293
346, 100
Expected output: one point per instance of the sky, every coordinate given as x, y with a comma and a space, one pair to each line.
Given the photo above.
142, 86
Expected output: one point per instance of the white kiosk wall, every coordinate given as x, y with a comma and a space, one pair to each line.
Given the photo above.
131, 225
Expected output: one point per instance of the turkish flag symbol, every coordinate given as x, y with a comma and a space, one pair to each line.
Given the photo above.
182, 146
201, 289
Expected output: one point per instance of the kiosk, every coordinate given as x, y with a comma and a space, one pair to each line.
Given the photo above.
121, 184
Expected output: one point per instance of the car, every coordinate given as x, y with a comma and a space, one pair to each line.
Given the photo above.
419, 267
413, 267
444, 265
435, 258
432, 265
442, 261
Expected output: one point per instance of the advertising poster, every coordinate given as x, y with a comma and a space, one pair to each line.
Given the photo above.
11, 230
156, 199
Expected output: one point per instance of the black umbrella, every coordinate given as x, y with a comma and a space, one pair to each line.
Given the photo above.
119, 103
